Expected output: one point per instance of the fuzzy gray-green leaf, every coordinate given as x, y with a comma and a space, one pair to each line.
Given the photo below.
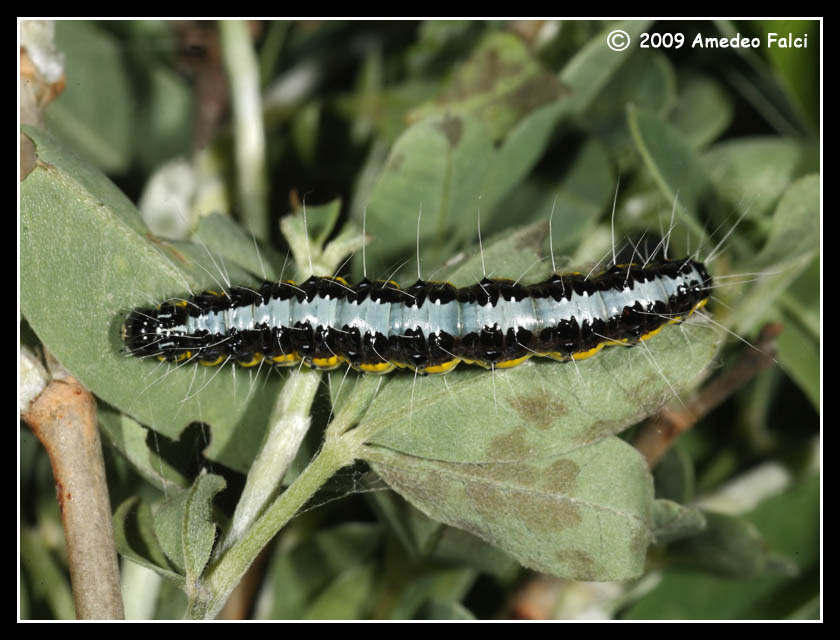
199, 529
499, 84
185, 528
136, 539
86, 260
672, 521
583, 514
752, 173
130, 439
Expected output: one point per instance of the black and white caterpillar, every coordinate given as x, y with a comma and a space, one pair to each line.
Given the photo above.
429, 327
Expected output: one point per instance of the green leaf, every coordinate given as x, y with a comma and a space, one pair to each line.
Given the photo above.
583, 514
799, 355
449, 167
428, 539
672, 521
792, 243
441, 586
87, 259
574, 202
752, 173
45, 575
787, 525
674, 475
730, 546
500, 84
796, 68
439, 42
761, 86
165, 122
95, 114
703, 110
199, 528
167, 522
538, 408
135, 537
417, 533
321, 221
647, 82
795, 227
225, 238
438, 610
346, 598
596, 65
457, 547
300, 572
802, 299
310, 256
130, 439
305, 130
185, 527
673, 166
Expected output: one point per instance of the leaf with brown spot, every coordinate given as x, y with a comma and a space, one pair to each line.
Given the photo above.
452, 127
584, 515
499, 84
541, 408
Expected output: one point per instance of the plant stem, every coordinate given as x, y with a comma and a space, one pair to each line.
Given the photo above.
662, 429
249, 136
288, 425
64, 419
224, 574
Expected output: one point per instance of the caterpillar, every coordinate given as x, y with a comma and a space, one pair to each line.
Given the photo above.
429, 327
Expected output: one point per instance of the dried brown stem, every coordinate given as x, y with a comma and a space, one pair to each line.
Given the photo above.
662, 429
64, 419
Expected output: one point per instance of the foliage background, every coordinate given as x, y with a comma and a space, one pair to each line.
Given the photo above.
337, 98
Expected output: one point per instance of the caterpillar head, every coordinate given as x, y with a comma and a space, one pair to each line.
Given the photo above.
155, 332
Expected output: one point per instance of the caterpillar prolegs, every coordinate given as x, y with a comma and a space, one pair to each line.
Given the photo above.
429, 327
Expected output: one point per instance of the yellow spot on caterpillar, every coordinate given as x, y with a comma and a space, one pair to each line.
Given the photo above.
212, 363
443, 367
583, 355
378, 367
255, 360
326, 364
286, 359
515, 362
